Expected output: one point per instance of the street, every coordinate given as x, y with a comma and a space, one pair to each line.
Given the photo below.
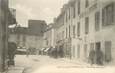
45, 64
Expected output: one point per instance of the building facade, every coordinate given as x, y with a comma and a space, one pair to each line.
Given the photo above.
49, 36
30, 37
36, 32
89, 24
60, 32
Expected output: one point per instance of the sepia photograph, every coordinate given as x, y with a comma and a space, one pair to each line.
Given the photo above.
57, 36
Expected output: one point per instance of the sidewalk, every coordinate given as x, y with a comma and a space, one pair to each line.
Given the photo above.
80, 62
15, 70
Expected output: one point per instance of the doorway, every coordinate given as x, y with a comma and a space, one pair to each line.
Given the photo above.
108, 51
98, 46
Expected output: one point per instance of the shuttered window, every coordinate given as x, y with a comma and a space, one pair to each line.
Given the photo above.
97, 21
108, 15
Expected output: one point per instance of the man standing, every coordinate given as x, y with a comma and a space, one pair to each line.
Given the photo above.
92, 56
99, 57
11, 52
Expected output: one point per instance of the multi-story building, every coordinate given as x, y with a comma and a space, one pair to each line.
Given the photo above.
35, 33
65, 24
18, 35
49, 36
29, 37
89, 24
59, 28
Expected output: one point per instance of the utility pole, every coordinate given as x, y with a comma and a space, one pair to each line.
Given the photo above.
3, 34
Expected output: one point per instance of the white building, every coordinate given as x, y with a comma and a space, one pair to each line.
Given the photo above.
89, 24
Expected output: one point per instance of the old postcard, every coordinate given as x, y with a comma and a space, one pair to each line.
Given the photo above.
57, 36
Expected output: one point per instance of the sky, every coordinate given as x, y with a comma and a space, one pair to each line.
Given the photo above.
36, 9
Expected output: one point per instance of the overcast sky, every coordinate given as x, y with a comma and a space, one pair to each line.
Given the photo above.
36, 9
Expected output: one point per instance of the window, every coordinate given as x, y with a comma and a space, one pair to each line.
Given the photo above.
86, 3
66, 32
97, 21
69, 13
78, 7
108, 15
69, 31
98, 46
91, 46
85, 50
74, 11
62, 35
86, 25
108, 45
66, 17
73, 51
74, 31
78, 51
78, 29
47, 42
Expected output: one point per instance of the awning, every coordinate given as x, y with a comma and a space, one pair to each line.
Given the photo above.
46, 49
42, 49
24, 50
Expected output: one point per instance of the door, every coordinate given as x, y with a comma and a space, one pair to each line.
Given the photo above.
78, 51
98, 46
85, 51
108, 51
74, 51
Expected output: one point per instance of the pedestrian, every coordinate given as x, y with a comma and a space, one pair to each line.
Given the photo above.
92, 56
11, 52
99, 57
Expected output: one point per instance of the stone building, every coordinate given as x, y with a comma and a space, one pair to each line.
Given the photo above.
59, 32
36, 30
29, 37
89, 24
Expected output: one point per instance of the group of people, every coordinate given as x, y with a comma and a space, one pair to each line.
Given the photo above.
31, 51
56, 52
96, 57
